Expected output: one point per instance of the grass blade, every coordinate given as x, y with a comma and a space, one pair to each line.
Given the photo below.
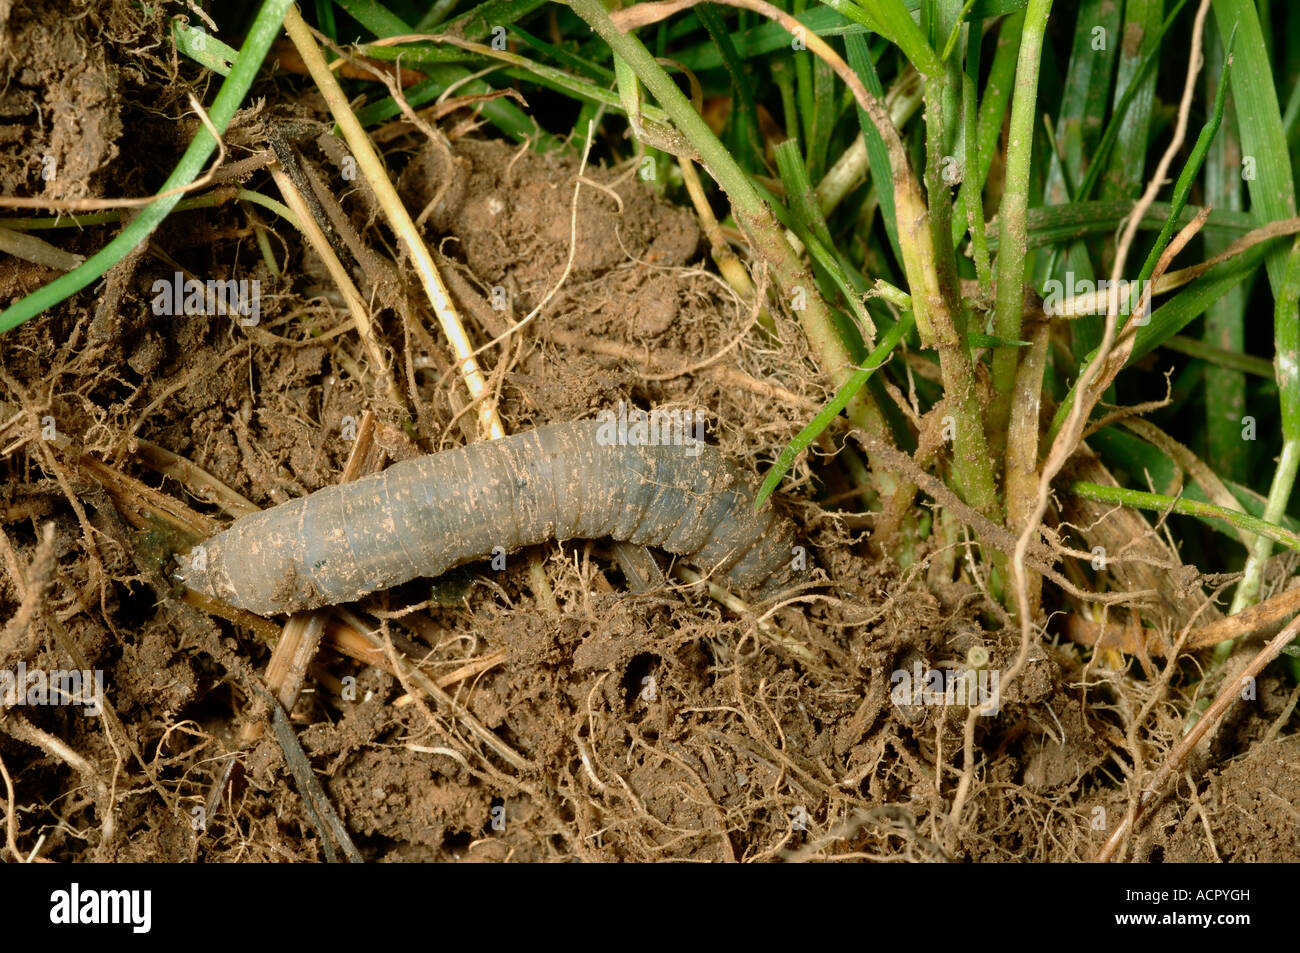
805, 437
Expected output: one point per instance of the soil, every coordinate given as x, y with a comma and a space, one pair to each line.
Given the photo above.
655, 725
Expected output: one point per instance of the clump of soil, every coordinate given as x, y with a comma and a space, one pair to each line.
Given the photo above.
1247, 811
580, 719
61, 103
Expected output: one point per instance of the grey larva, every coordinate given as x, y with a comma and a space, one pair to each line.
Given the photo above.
423, 516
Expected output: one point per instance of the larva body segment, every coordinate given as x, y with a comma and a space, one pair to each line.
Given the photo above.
423, 516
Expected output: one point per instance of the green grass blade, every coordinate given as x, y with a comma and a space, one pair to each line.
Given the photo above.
800, 195
432, 61
744, 114
1013, 215
766, 38
1183, 186
477, 23
859, 58
891, 20
1123, 177
1189, 172
825, 112
436, 13
992, 111
204, 48
325, 19
1053, 224
1141, 500
594, 71
1270, 181
805, 437
1087, 82
1232, 359
1179, 311
1190, 302
1225, 320
1131, 92
1126, 453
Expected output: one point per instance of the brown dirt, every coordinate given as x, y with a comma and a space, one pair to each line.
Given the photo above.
647, 726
